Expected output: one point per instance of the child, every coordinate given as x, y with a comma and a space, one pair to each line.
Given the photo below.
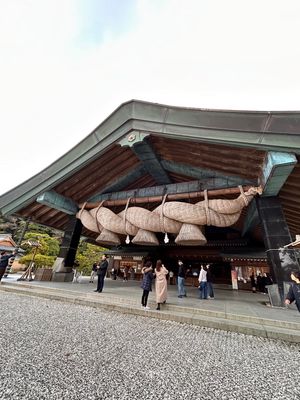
146, 284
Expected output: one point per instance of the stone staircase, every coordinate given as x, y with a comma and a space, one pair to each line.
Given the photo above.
246, 324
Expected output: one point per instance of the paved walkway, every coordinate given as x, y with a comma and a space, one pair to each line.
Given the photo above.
238, 311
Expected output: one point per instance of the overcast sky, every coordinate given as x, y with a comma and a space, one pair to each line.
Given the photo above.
65, 65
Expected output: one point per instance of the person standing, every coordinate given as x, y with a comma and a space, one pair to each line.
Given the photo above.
114, 273
259, 282
101, 272
146, 284
171, 277
268, 281
93, 273
294, 290
9, 266
210, 289
181, 280
203, 283
75, 271
125, 273
5, 257
132, 273
253, 282
160, 283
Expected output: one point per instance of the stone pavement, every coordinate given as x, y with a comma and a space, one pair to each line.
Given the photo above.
52, 350
237, 311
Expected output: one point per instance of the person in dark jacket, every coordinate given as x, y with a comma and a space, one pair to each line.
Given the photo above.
181, 279
114, 273
267, 280
146, 284
260, 283
294, 291
101, 272
253, 283
210, 289
4, 259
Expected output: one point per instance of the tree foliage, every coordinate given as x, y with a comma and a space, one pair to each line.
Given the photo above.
40, 260
45, 254
87, 254
49, 240
9, 224
15, 227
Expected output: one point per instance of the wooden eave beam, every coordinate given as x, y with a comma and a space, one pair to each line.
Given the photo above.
171, 196
202, 173
145, 153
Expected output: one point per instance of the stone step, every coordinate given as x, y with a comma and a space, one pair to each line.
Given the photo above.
108, 298
236, 317
258, 327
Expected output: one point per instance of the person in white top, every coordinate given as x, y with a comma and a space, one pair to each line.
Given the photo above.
203, 283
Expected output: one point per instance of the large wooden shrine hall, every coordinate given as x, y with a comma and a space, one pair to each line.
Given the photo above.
206, 186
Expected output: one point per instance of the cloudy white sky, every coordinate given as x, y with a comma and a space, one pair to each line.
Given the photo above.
65, 65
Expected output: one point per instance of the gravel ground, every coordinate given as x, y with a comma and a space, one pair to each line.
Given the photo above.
53, 350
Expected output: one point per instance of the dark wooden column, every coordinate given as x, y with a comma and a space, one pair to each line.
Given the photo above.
276, 235
70, 241
66, 257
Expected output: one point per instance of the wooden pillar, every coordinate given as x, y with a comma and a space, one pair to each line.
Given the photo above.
276, 235
69, 245
65, 260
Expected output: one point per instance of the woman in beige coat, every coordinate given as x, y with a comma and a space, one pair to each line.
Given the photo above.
160, 283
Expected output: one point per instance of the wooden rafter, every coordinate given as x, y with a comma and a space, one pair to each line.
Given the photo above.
174, 196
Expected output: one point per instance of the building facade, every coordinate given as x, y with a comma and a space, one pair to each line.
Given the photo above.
117, 185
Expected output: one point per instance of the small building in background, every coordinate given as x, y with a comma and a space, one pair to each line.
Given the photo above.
7, 243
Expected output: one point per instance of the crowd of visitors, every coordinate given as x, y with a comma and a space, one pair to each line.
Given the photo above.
162, 276
260, 282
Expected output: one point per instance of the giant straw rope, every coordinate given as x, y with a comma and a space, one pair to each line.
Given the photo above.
184, 219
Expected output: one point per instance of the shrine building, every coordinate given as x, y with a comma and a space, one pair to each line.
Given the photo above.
162, 182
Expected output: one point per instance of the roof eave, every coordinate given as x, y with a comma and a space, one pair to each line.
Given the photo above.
170, 121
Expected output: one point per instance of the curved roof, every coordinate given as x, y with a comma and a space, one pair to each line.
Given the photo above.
144, 144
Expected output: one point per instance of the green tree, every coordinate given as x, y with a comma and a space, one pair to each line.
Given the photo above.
40, 260
45, 253
33, 227
49, 240
9, 224
87, 254
15, 226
